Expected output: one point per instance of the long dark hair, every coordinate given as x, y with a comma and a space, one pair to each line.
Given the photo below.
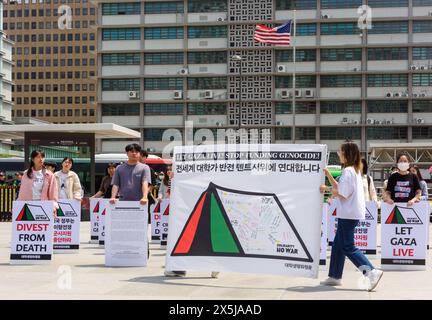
110, 165
419, 175
166, 177
352, 156
364, 166
33, 155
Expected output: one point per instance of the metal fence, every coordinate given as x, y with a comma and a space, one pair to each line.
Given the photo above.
7, 195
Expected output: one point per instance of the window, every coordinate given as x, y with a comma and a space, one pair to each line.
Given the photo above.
387, 80
422, 106
341, 107
207, 32
341, 81
283, 134
153, 134
163, 7
301, 82
422, 53
339, 28
163, 58
305, 133
301, 107
384, 106
121, 59
336, 133
207, 6
121, 34
120, 84
422, 3
207, 57
386, 3
396, 133
207, 83
422, 132
121, 8
306, 29
120, 110
296, 4
423, 26
302, 55
163, 108
386, 27
422, 80
345, 54
163, 33
387, 53
340, 4
206, 109
163, 84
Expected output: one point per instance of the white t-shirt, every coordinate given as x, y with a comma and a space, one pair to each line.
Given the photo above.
37, 184
350, 186
63, 185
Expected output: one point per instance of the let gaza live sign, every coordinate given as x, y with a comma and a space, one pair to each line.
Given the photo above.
32, 232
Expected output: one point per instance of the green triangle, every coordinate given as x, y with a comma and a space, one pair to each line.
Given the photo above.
399, 217
60, 212
221, 237
29, 216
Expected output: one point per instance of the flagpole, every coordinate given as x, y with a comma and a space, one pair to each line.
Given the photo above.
294, 80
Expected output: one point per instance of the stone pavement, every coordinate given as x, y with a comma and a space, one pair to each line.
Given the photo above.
92, 280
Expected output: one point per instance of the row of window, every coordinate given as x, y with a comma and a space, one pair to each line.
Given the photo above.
54, 100
193, 6
47, 25
43, 1
77, 87
55, 63
54, 37
205, 57
326, 107
54, 113
47, 12
51, 50
53, 75
164, 109
341, 4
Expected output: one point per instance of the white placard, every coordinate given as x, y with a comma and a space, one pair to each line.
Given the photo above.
404, 236
103, 203
156, 222
323, 250
126, 243
237, 208
94, 220
332, 220
365, 234
67, 226
32, 232
165, 222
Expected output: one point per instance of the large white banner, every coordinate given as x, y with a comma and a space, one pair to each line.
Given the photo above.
32, 232
323, 250
126, 243
94, 220
103, 203
246, 208
404, 236
67, 226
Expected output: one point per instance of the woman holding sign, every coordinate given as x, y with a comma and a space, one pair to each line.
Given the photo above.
38, 183
350, 192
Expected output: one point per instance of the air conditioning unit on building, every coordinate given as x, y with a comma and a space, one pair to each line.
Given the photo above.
405, 94
221, 19
419, 120
219, 124
344, 121
298, 93
398, 94
415, 95
414, 67
388, 122
178, 94
281, 68
370, 121
430, 13
423, 95
423, 67
389, 94
356, 122
377, 122
356, 69
133, 95
184, 71
285, 94
208, 94
325, 16
279, 123
309, 93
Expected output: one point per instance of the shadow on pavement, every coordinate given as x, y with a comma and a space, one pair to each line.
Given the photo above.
320, 288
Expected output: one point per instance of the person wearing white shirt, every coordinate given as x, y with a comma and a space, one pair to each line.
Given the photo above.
351, 209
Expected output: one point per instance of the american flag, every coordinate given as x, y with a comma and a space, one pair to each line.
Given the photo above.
278, 36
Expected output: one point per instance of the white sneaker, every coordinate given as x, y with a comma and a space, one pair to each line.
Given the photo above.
175, 273
374, 277
331, 282
214, 274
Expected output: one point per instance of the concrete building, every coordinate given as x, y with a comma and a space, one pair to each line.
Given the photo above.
6, 103
161, 63
55, 65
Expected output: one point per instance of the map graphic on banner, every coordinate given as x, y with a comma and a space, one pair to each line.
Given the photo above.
67, 226
401, 215
66, 210
241, 224
31, 212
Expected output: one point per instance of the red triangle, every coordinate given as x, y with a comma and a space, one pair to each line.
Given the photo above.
21, 214
334, 213
185, 242
103, 212
157, 208
96, 208
166, 212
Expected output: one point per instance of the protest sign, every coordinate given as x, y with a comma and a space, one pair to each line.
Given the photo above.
165, 222
67, 226
156, 222
94, 220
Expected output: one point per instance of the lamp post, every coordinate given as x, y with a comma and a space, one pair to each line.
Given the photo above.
239, 59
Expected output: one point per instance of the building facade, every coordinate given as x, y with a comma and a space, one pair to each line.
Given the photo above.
55, 63
161, 63
6, 103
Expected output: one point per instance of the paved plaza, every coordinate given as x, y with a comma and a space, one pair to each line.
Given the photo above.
90, 279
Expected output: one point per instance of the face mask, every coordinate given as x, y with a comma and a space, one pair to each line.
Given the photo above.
403, 166
161, 177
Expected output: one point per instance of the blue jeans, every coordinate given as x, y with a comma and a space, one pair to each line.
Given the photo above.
343, 245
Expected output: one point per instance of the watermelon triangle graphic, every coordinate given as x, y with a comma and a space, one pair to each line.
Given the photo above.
25, 214
166, 212
103, 212
334, 213
368, 215
60, 212
157, 208
96, 208
395, 217
209, 232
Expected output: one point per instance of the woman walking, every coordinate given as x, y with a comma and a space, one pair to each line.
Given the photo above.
68, 182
